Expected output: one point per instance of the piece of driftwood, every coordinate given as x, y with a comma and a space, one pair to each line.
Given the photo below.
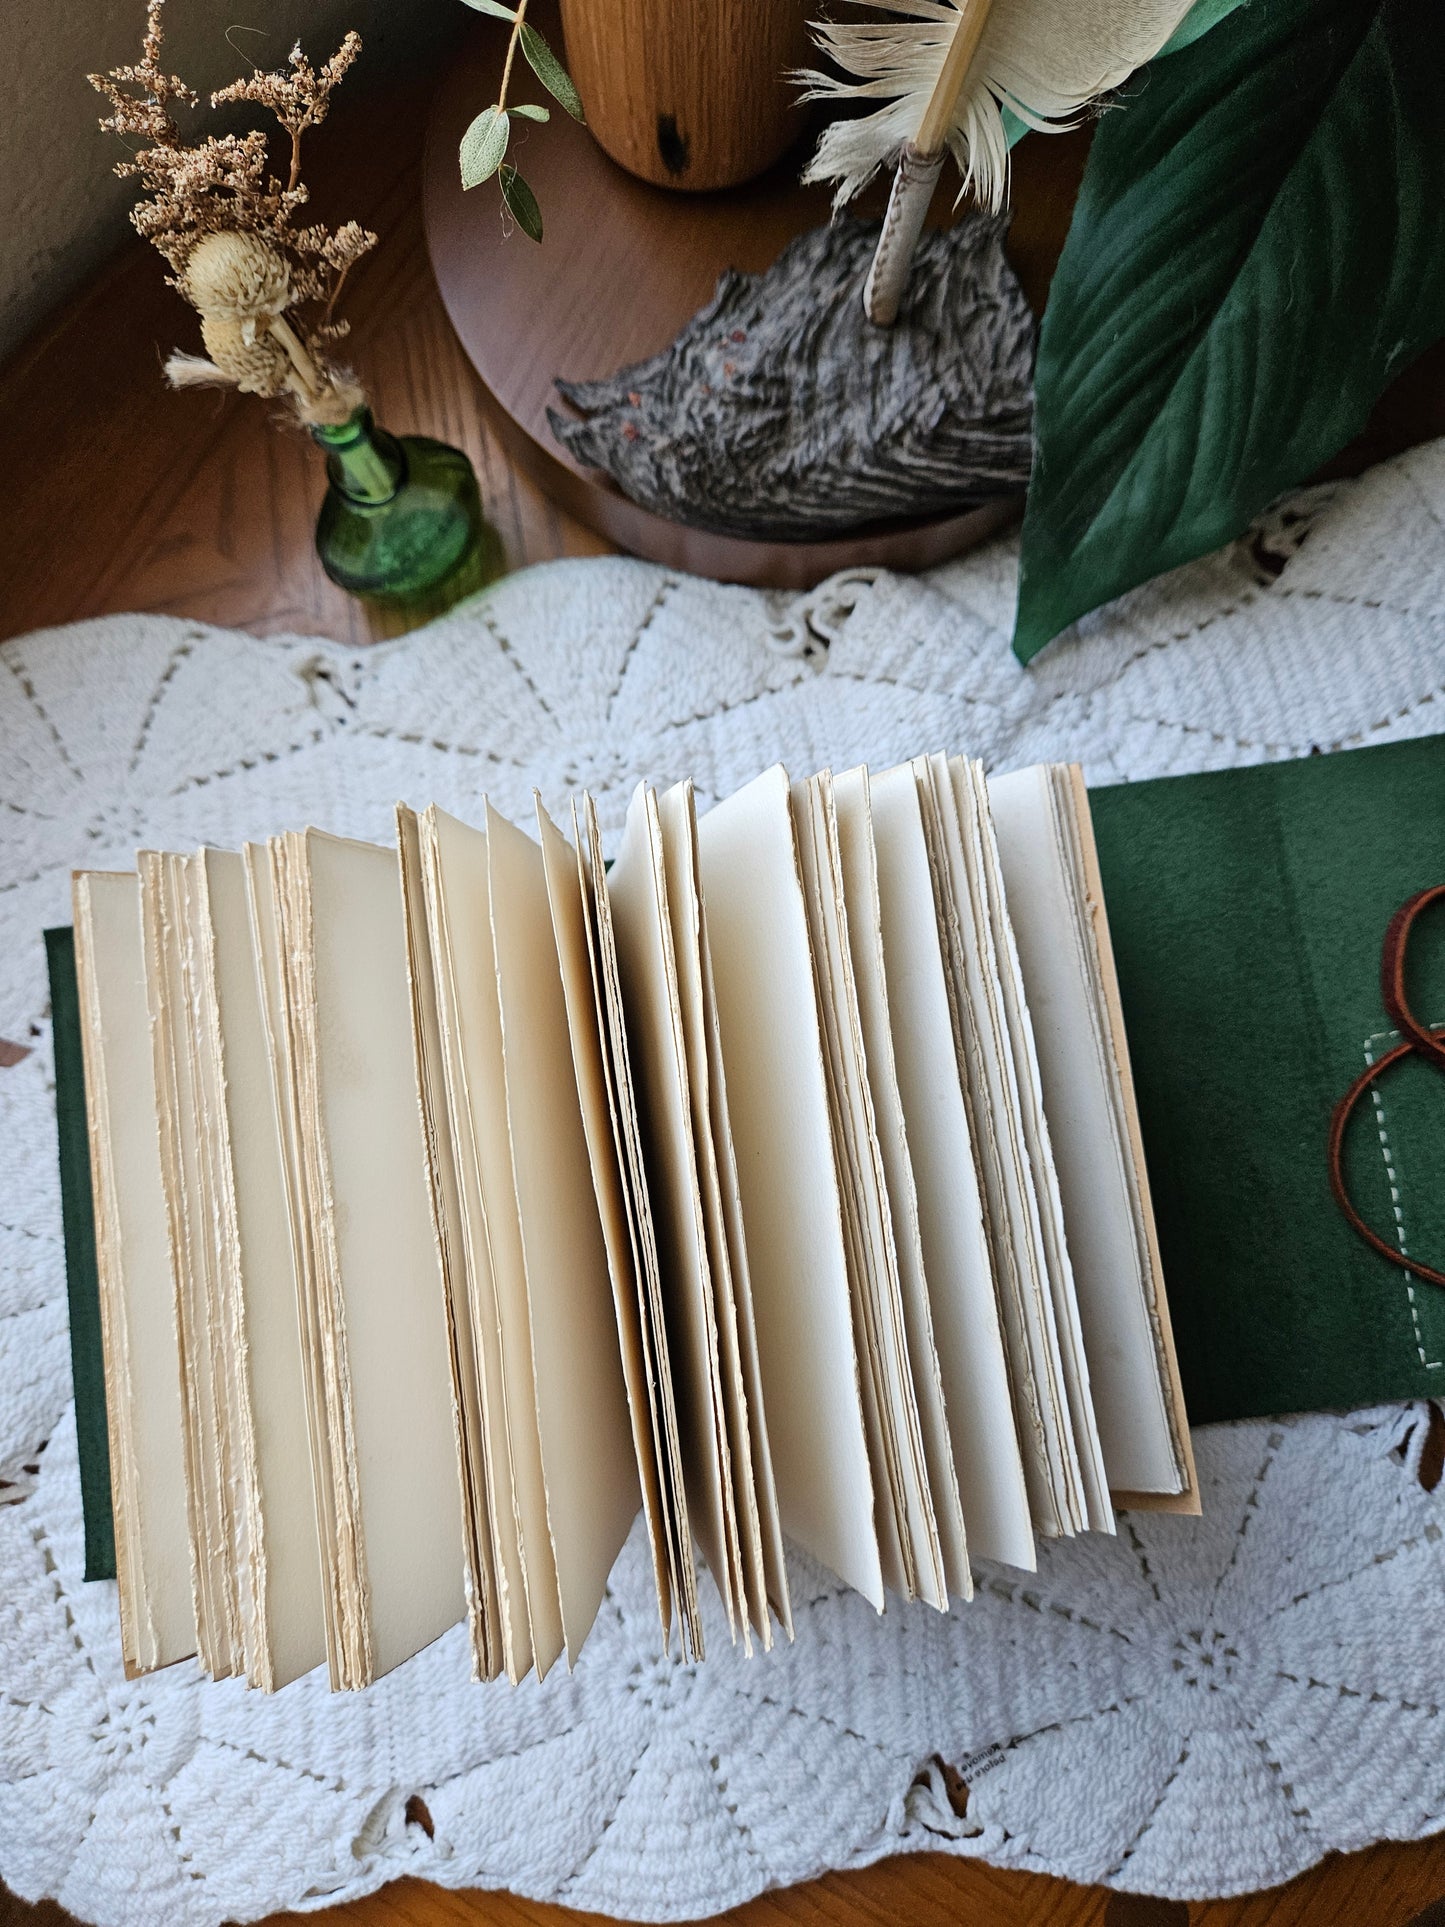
781, 412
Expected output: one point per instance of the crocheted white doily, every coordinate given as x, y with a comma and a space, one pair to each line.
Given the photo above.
1197, 1707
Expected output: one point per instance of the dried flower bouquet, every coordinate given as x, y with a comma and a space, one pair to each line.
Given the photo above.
265, 286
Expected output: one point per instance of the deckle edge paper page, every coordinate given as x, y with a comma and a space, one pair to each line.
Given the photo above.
1247, 910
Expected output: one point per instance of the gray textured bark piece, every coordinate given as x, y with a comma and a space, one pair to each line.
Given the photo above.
782, 412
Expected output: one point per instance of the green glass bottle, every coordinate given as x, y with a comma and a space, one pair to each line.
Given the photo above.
402, 524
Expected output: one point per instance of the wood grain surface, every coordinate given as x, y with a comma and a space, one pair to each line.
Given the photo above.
623, 267
689, 94
116, 495
1385, 1886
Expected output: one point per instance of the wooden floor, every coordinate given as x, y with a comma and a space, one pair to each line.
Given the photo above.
116, 495
1387, 1886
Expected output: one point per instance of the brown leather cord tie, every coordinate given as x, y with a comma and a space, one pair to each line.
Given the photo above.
1416, 1040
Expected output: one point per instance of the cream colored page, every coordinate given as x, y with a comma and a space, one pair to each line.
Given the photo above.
712, 1139
1015, 1205
444, 1194
581, 1397
349, 1651
1020, 1191
209, 1180
1098, 1513
860, 881
1084, 1106
734, 1591
1073, 800
649, 991
1085, 1463
765, 1487
220, 1197
951, 1225
463, 876
973, 1006
293, 1609
261, 903
778, 1103
485, 1242
605, 1151
395, 1332
874, 1206
684, 1566
187, 1278
863, 1221
192, 1263
877, 1215
133, 1249
469, 1119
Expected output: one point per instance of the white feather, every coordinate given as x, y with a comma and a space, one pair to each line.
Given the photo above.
194, 371
1044, 59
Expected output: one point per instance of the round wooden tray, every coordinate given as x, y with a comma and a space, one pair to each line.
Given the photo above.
623, 266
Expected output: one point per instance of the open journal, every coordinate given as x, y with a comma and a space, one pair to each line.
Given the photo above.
457, 1201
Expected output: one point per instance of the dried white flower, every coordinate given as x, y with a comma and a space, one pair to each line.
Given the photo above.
240, 276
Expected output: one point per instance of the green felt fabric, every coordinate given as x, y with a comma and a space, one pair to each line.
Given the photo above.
1247, 911
78, 1219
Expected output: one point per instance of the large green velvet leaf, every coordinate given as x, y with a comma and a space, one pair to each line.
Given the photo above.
1258, 247
1201, 17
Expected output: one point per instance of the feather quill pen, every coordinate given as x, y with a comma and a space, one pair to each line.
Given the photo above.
942, 71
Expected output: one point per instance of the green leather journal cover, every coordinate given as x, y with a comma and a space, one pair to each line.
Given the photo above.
78, 1222
1247, 910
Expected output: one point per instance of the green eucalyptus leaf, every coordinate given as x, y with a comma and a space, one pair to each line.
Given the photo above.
550, 71
521, 203
1258, 247
493, 7
527, 111
483, 146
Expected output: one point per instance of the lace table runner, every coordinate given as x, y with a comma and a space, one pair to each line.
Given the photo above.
1192, 1708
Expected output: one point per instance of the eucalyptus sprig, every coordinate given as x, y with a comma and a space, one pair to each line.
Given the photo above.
483, 150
